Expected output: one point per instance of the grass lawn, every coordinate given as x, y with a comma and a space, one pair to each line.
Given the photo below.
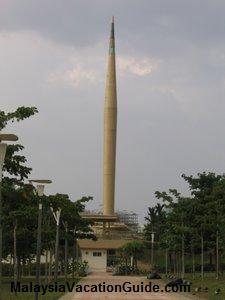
8, 295
209, 281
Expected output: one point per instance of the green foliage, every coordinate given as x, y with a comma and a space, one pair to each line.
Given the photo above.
186, 219
20, 205
14, 163
81, 268
135, 250
19, 114
155, 220
70, 215
123, 268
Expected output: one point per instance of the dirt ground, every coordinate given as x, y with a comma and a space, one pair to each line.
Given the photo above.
97, 278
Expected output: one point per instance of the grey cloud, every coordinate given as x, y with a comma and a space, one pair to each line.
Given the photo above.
169, 122
158, 23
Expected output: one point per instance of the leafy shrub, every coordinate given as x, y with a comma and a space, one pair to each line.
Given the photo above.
80, 267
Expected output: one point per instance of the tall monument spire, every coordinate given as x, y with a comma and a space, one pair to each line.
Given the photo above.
110, 123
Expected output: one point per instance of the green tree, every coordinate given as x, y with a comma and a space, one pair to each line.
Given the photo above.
14, 164
207, 218
134, 250
76, 226
192, 224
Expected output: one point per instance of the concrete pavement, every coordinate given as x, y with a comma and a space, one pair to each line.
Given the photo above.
97, 278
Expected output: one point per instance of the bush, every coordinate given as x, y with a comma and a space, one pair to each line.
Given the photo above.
123, 269
80, 267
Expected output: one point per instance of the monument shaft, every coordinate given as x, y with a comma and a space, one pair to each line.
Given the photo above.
110, 124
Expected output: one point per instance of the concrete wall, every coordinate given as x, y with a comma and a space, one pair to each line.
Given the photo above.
96, 263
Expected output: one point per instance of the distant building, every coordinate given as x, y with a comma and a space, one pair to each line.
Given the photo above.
128, 218
97, 253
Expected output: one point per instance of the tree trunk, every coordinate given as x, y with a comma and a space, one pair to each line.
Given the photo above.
177, 263
19, 268
29, 267
183, 258
50, 266
15, 254
176, 258
152, 253
11, 262
202, 257
210, 259
170, 260
46, 266
74, 254
23, 267
217, 255
166, 261
56, 253
174, 262
66, 253
221, 259
77, 251
126, 264
193, 263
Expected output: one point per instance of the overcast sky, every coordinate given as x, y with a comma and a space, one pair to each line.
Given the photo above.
171, 88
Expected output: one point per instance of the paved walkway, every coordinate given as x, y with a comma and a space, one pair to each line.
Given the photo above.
97, 278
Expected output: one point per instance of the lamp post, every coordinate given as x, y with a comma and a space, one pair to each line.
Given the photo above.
56, 215
3, 146
40, 191
152, 250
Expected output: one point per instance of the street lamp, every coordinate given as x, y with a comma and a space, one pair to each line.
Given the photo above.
3, 146
40, 191
56, 215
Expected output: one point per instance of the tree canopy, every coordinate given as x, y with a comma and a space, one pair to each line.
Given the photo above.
20, 203
192, 219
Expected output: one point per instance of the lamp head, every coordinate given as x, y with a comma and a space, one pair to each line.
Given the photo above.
43, 181
8, 137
